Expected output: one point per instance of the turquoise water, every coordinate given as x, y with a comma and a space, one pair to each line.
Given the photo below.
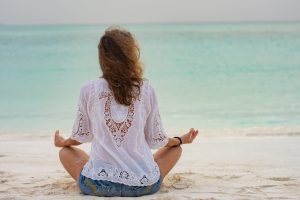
209, 76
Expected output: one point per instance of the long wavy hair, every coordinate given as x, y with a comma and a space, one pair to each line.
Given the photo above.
119, 58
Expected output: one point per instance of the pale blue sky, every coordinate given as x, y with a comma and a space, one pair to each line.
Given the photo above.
141, 11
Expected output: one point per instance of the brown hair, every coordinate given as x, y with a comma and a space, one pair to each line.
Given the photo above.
119, 56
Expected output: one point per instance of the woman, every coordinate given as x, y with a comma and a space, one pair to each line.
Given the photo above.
118, 113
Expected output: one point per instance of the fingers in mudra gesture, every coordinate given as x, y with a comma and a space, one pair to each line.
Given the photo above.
189, 136
58, 140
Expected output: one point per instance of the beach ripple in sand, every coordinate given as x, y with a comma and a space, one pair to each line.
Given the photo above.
188, 185
233, 171
281, 179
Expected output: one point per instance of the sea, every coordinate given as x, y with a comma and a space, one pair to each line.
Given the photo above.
223, 79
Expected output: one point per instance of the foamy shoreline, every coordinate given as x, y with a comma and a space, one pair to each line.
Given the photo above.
212, 168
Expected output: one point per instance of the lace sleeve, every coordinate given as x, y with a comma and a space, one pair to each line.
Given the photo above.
81, 129
155, 134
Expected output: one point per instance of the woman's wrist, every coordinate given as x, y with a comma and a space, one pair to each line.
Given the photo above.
66, 143
71, 142
173, 142
180, 141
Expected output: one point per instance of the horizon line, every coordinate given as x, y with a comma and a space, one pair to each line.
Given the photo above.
146, 23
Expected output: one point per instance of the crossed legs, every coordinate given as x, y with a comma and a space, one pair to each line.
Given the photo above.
73, 159
166, 158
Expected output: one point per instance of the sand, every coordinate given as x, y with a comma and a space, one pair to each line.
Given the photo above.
211, 168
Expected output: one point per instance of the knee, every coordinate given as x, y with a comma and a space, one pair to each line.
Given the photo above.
179, 150
62, 152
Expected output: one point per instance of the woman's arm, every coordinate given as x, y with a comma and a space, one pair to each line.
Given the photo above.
59, 141
172, 142
186, 138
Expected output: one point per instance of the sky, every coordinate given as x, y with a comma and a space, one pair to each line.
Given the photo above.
145, 11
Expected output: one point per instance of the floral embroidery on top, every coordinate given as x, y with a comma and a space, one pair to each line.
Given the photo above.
103, 173
79, 130
124, 174
161, 137
108, 172
118, 129
158, 121
144, 180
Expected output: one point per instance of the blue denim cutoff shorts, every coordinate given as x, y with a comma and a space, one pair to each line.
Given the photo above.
109, 189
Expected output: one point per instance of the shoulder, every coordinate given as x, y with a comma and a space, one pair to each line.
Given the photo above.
147, 89
146, 85
91, 85
87, 85
149, 86
89, 88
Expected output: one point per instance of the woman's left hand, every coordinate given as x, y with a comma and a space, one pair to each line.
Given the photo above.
58, 140
189, 137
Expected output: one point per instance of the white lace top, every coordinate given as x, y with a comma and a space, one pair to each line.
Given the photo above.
121, 136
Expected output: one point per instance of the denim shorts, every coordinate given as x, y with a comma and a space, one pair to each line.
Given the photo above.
109, 189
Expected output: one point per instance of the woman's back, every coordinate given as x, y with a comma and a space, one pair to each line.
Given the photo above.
121, 135
119, 114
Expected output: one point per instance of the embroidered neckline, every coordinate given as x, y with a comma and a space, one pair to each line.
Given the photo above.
117, 129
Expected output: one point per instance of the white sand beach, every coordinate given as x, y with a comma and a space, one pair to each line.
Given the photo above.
212, 168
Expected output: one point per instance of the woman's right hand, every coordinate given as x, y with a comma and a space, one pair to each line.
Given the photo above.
59, 141
189, 137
